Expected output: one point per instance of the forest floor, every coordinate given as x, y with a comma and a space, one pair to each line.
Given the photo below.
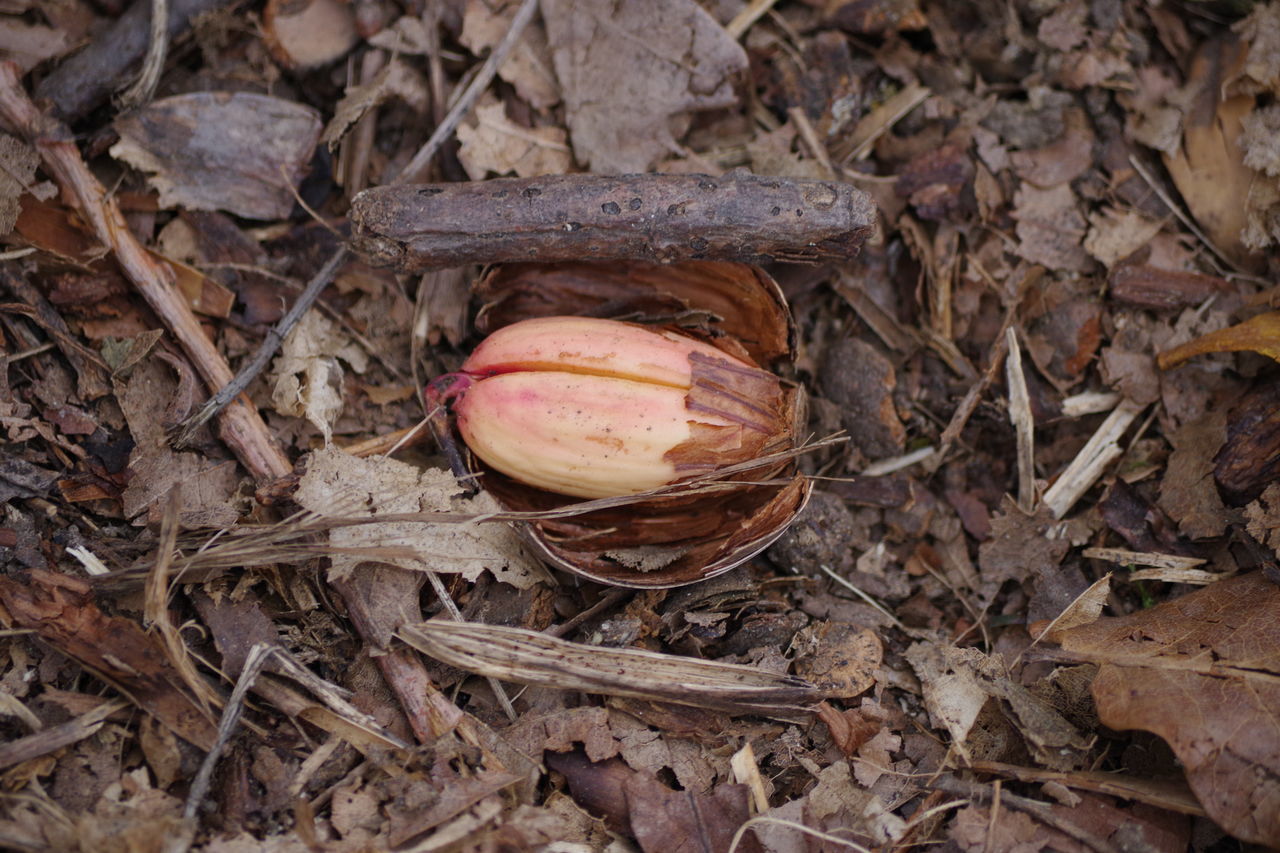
1033, 602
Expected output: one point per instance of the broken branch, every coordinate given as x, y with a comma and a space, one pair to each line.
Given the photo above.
736, 217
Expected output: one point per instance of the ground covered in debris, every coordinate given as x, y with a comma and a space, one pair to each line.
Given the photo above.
1031, 605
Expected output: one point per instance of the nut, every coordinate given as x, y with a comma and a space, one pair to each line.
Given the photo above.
598, 408
674, 430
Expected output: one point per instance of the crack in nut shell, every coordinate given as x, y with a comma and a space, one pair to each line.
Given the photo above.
672, 539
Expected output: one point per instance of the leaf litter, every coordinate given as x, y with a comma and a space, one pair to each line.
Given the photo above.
1055, 637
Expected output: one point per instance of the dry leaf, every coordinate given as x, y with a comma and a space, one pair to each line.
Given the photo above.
238, 152
952, 693
339, 484
18, 162
1209, 168
528, 66
1050, 227
308, 375
30, 44
631, 72
1260, 334
1202, 672
498, 145
397, 80
838, 656
1116, 234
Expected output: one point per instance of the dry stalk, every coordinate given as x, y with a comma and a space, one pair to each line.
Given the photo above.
529, 657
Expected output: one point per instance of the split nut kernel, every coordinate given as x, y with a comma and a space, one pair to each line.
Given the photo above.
599, 408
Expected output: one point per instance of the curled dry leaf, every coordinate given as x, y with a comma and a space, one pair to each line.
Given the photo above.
1261, 334
1201, 672
699, 527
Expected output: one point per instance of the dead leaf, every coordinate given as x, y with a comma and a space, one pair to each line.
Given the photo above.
339, 484
30, 44
528, 67
308, 372
839, 657
1209, 168
1188, 492
952, 694
238, 152
397, 80
1116, 234
61, 610
1050, 227
18, 162
630, 73
1203, 673
667, 821
497, 145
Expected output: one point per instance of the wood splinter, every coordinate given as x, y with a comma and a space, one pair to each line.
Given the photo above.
735, 217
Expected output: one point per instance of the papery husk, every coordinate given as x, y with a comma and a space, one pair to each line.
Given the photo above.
685, 535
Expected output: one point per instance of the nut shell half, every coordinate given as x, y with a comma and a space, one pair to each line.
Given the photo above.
685, 533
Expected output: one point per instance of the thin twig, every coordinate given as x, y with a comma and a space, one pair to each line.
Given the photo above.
144, 88
469, 95
450, 607
1177, 211
253, 665
184, 433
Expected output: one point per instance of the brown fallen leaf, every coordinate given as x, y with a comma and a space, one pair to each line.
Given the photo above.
238, 152
1208, 169
1203, 673
841, 657
528, 67
498, 145
60, 610
631, 72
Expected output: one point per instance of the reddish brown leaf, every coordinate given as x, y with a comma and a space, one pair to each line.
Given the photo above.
61, 611
1202, 672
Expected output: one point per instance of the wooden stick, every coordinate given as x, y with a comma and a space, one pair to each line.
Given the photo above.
738, 216
1023, 421
241, 426
87, 79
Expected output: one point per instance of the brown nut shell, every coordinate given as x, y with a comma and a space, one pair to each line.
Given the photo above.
692, 532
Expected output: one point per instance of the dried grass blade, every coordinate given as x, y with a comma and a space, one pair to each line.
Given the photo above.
528, 657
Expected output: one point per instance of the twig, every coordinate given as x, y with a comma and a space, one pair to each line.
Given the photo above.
450, 607
87, 79
144, 88
1040, 811
1024, 424
734, 217
1102, 448
1177, 211
184, 432
751, 13
467, 99
241, 426
253, 666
